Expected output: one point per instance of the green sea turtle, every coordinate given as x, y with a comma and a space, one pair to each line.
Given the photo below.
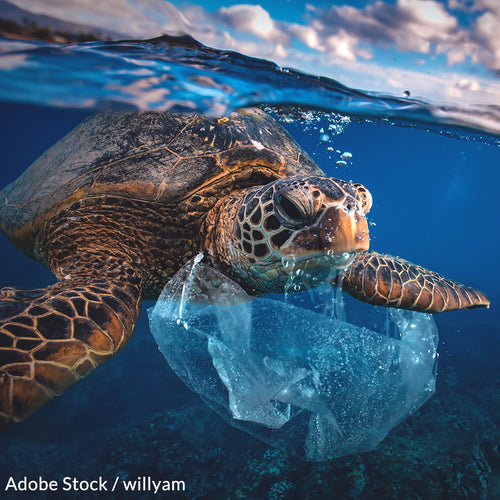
118, 205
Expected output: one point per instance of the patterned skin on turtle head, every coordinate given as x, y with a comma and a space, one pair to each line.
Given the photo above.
316, 224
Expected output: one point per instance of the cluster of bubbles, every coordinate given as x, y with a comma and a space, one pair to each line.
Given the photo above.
308, 119
326, 125
321, 296
345, 157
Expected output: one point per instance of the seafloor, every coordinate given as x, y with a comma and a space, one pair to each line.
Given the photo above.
448, 450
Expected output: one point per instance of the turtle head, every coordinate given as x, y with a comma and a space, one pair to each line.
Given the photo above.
307, 226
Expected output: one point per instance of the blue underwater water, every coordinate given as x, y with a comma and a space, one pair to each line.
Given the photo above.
435, 192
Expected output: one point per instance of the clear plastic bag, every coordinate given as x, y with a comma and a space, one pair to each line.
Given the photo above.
300, 380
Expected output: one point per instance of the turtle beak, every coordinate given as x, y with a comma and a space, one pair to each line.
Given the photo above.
337, 231
344, 231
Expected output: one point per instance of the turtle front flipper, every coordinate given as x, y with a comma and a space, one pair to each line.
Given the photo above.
50, 338
384, 280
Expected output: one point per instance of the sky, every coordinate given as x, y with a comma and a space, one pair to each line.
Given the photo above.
444, 51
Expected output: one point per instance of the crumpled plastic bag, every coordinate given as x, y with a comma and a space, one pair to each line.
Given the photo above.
300, 380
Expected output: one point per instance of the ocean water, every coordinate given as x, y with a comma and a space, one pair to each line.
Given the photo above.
434, 177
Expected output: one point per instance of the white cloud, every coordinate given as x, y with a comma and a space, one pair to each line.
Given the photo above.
279, 52
421, 26
306, 34
252, 19
474, 5
411, 25
487, 28
342, 44
466, 84
429, 13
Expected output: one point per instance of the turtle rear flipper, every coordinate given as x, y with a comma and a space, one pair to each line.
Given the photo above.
50, 338
384, 280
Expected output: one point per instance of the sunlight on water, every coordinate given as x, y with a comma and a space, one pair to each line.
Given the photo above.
178, 73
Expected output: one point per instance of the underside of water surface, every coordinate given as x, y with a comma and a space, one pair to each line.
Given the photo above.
180, 74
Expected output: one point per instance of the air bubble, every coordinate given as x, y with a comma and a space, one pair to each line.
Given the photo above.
182, 323
324, 137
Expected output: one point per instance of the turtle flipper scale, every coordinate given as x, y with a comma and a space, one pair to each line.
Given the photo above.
388, 281
50, 338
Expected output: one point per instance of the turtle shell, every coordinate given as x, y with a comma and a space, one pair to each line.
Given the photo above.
160, 157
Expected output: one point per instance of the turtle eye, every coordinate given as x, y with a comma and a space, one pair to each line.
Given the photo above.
364, 196
290, 211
